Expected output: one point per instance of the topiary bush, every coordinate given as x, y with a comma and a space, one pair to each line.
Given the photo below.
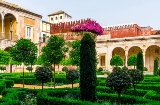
158, 72
88, 68
140, 64
72, 75
155, 66
136, 77
43, 74
118, 81
100, 69
65, 69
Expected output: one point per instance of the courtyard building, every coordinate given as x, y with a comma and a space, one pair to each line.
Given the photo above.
15, 23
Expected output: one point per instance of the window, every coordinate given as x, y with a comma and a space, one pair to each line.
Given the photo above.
60, 17
29, 32
56, 18
51, 19
44, 37
102, 60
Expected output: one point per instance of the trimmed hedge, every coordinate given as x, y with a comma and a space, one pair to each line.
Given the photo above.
9, 83
139, 92
47, 100
149, 87
2, 88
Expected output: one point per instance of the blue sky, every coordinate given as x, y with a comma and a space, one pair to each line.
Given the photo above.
105, 12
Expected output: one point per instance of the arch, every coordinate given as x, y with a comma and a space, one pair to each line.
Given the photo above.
119, 51
151, 53
10, 26
134, 50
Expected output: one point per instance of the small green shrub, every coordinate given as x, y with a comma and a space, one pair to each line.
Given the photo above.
145, 69
100, 69
29, 68
65, 69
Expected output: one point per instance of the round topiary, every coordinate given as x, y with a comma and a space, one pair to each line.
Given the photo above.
136, 77
72, 75
118, 80
43, 74
65, 69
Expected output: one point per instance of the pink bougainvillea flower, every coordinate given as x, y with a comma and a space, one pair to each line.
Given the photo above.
88, 26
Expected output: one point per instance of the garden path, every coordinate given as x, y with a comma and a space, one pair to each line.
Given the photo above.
40, 87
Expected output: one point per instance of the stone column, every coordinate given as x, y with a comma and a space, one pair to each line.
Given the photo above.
17, 36
2, 28
144, 60
126, 57
109, 56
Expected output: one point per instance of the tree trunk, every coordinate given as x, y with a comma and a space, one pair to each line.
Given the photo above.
54, 77
42, 88
31, 68
72, 84
23, 74
58, 68
119, 100
10, 68
134, 66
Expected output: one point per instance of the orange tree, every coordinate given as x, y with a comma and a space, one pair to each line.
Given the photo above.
23, 51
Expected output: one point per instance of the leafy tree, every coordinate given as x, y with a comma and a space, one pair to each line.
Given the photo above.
155, 66
43, 74
132, 60
116, 61
72, 75
136, 77
75, 52
39, 60
4, 57
53, 53
31, 60
118, 80
140, 64
22, 51
88, 68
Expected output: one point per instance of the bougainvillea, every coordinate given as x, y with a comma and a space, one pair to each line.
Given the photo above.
88, 26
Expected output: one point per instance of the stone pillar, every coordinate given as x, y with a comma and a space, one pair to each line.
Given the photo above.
2, 28
144, 60
126, 57
17, 36
109, 56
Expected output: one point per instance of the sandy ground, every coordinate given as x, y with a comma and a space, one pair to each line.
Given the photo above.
40, 87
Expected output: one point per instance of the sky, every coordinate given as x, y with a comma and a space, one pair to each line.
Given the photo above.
105, 12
